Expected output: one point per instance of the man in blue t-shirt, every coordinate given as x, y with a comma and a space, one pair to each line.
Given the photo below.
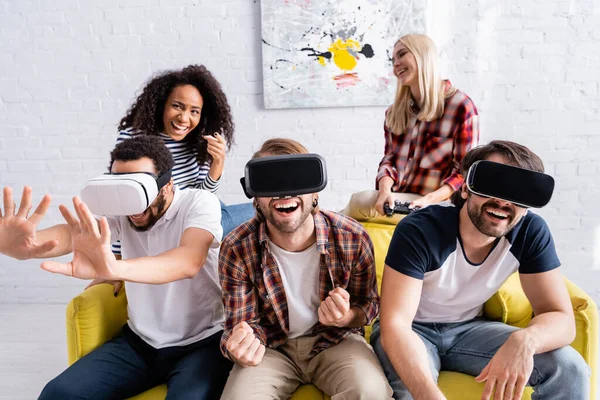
443, 264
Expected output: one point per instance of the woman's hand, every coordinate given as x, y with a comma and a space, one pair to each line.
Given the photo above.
217, 147
385, 194
441, 194
421, 202
384, 197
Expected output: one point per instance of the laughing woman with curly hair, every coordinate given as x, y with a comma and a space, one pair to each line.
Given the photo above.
189, 111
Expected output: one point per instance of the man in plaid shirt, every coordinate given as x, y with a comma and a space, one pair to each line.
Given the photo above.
298, 285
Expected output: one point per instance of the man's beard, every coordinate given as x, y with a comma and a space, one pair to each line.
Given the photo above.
286, 227
477, 218
161, 202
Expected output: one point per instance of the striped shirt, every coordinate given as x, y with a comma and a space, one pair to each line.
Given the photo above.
253, 289
186, 172
429, 154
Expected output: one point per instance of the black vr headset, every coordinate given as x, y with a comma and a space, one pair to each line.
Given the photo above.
522, 187
284, 176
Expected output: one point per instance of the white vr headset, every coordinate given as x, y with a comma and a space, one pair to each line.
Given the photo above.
116, 194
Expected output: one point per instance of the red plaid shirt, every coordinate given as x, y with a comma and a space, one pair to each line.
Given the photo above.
253, 289
429, 154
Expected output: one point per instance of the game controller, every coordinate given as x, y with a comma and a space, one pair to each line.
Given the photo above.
399, 208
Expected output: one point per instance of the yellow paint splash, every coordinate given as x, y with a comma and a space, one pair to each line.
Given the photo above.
341, 57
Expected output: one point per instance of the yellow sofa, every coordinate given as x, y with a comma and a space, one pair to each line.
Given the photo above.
96, 315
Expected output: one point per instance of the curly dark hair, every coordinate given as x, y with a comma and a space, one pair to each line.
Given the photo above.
141, 146
145, 116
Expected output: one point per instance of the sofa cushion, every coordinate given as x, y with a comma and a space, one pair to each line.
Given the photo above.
457, 386
94, 317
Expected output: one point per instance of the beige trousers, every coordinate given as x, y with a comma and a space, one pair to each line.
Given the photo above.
349, 370
361, 206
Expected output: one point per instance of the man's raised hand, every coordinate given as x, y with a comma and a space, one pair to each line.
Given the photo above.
18, 230
92, 257
335, 310
244, 346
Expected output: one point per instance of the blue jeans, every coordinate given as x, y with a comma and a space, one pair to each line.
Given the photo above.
234, 215
126, 366
468, 347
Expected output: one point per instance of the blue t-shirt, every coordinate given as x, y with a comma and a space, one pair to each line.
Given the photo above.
426, 245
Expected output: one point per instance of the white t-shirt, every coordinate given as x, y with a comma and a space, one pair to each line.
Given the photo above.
300, 275
185, 311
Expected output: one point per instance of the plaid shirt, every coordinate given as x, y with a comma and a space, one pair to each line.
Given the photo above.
429, 154
253, 289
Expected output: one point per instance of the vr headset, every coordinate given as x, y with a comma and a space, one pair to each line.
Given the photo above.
284, 176
122, 193
522, 187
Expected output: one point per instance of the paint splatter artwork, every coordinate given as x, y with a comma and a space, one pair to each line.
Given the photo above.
324, 53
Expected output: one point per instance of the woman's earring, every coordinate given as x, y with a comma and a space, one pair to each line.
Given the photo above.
315, 202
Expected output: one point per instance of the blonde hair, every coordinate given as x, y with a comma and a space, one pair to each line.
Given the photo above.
431, 86
280, 147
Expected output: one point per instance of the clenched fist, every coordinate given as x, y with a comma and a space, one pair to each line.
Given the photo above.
244, 346
335, 310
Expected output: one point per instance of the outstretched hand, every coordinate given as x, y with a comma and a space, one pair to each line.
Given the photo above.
92, 256
18, 231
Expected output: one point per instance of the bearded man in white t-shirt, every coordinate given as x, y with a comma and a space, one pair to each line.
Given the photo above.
175, 310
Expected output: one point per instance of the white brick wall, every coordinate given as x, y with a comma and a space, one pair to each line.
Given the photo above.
69, 69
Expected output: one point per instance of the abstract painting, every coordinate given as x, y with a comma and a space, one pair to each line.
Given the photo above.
323, 53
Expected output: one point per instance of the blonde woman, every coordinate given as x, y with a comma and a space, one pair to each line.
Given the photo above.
428, 130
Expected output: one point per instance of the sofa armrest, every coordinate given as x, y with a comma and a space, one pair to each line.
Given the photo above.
93, 317
510, 305
586, 324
